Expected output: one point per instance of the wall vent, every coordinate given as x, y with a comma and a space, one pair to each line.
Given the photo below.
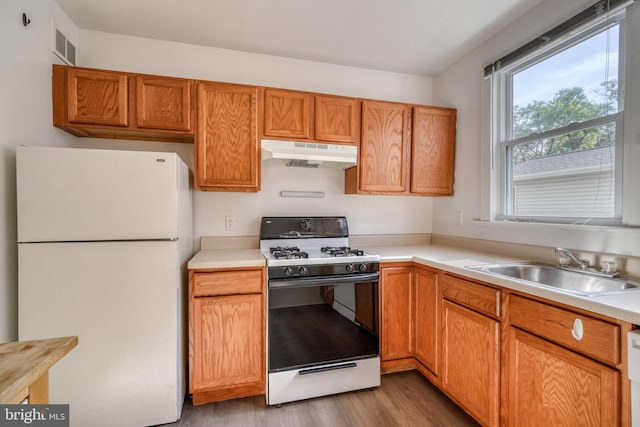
62, 47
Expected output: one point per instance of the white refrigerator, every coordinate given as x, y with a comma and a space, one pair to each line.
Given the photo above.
103, 241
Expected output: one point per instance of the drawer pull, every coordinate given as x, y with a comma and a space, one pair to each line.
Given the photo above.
578, 330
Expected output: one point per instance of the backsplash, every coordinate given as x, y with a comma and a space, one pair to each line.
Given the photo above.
366, 214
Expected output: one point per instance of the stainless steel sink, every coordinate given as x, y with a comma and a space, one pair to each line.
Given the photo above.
569, 281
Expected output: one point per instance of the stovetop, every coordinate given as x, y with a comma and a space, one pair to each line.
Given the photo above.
294, 252
301, 255
299, 241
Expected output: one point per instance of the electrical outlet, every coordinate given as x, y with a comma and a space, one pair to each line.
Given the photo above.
229, 223
459, 217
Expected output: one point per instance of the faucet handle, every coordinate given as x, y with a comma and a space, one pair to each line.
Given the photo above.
563, 260
608, 267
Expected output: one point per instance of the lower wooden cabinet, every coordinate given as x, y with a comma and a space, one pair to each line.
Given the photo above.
455, 328
552, 386
506, 358
471, 361
396, 308
574, 357
427, 318
226, 334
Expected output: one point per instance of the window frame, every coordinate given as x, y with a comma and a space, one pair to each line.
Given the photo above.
501, 93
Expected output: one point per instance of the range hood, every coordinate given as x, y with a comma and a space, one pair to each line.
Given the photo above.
310, 154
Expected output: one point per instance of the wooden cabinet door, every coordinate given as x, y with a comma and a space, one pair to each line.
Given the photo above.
470, 362
287, 113
427, 320
227, 150
97, 97
384, 147
163, 103
396, 312
433, 145
228, 345
337, 119
552, 386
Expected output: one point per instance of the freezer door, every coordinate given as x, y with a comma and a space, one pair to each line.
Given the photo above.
72, 194
123, 300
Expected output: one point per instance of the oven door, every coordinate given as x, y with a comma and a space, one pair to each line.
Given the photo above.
323, 336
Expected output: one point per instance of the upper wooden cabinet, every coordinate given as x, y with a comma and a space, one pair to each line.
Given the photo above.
404, 149
383, 159
433, 146
227, 150
337, 119
287, 113
97, 97
112, 104
304, 116
163, 103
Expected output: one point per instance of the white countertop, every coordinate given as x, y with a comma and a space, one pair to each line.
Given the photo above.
226, 258
625, 306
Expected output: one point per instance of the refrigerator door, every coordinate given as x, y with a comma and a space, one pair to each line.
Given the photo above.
71, 194
124, 301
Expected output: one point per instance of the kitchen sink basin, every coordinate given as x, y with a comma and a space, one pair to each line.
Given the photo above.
569, 281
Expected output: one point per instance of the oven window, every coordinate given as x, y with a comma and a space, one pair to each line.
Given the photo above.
315, 325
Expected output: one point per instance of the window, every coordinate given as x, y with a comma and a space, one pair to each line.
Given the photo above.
558, 113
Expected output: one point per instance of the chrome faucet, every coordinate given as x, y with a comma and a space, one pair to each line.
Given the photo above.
583, 263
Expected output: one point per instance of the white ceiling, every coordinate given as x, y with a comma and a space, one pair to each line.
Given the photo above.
410, 36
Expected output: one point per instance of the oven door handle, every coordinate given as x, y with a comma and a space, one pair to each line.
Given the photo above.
320, 281
327, 368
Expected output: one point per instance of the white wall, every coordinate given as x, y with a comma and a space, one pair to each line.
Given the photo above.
366, 214
462, 86
25, 118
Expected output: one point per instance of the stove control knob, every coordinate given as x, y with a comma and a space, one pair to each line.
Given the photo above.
350, 268
303, 271
287, 271
363, 267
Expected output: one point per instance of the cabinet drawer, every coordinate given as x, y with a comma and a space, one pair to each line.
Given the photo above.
589, 336
228, 283
473, 295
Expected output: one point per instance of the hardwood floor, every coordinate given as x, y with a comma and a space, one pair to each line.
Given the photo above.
404, 399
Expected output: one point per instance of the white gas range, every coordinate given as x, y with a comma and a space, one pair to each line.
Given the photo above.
322, 309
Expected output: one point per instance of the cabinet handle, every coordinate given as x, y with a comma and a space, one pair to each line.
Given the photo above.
578, 330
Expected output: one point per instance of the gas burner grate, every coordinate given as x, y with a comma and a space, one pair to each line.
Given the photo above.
338, 251
288, 252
